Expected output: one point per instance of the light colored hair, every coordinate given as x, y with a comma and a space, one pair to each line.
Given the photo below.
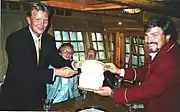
38, 7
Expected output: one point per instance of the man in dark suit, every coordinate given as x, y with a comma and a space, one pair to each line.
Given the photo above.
160, 87
27, 74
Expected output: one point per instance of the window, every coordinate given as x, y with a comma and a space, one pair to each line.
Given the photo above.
75, 38
134, 51
98, 45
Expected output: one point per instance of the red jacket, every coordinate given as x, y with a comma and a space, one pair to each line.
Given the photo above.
160, 88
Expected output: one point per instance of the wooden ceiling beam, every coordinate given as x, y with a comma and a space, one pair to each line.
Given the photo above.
137, 3
149, 5
108, 6
168, 8
63, 5
103, 7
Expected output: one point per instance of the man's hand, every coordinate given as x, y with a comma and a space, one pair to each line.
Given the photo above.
65, 72
112, 68
77, 64
104, 91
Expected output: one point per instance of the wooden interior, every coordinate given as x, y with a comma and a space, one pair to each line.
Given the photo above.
105, 16
94, 15
110, 12
113, 7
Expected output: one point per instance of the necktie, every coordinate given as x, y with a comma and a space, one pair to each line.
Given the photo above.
38, 49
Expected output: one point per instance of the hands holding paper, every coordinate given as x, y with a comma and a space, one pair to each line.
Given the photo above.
65, 72
107, 91
112, 68
77, 64
104, 91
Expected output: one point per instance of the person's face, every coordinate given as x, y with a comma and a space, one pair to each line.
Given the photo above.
38, 22
155, 39
67, 53
91, 54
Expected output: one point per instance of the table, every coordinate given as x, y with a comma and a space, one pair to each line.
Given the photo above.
92, 99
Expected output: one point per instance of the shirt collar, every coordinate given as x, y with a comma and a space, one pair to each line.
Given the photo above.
153, 55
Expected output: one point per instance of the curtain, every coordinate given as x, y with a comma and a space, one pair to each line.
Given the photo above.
3, 55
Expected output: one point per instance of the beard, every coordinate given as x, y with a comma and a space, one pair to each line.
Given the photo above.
154, 48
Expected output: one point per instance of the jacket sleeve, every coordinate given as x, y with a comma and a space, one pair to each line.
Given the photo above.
157, 81
133, 74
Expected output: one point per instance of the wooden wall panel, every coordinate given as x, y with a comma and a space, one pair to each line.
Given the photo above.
119, 50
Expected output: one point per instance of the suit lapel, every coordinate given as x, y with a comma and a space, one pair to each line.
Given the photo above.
31, 45
166, 48
43, 52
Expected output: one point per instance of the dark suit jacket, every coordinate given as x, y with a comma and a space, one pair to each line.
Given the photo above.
160, 89
110, 79
24, 86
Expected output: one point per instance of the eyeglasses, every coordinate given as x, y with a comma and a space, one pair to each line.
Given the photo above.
67, 52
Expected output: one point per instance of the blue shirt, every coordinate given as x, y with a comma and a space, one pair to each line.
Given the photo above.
63, 89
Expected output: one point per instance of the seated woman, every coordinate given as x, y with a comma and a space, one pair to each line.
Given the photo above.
63, 88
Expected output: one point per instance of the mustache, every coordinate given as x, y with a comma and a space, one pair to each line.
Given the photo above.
151, 42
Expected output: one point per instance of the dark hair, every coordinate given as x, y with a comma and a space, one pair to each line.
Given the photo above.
64, 45
37, 6
91, 48
163, 22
